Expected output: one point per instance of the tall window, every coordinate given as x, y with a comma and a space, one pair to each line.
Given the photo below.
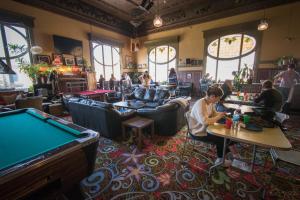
106, 60
230, 53
161, 60
11, 36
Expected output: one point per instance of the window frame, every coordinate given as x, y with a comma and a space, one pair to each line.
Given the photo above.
168, 62
93, 60
249, 28
27, 37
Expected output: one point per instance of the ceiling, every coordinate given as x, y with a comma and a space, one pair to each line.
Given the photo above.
135, 17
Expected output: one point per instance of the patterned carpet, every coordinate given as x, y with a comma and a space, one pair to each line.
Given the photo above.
161, 171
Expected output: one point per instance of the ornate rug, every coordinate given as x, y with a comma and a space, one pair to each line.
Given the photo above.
170, 168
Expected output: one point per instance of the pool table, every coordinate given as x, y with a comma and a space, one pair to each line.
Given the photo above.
38, 150
98, 95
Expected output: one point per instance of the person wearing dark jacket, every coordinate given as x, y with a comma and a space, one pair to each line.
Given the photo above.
271, 99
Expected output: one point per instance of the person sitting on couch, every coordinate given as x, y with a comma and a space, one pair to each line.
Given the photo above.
145, 79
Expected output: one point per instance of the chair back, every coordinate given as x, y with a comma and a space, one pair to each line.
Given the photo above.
294, 97
280, 118
30, 102
187, 119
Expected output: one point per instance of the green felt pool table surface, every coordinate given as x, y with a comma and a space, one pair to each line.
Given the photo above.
25, 135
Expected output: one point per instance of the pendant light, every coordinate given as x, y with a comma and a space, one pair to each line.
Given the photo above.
263, 25
36, 50
157, 22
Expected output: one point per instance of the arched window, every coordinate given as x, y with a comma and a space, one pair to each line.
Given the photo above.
11, 37
106, 60
230, 53
161, 60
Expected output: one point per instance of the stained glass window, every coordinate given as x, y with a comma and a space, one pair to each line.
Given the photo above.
230, 53
161, 60
10, 36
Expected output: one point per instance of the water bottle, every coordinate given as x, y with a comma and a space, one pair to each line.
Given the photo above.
235, 119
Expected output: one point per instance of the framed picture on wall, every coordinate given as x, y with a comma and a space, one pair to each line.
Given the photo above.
57, 59
79, 61
128, 62
69, 59
43, 59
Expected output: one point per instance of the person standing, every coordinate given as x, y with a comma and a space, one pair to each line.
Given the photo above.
172, 77
288, 79
111, 82
101, 82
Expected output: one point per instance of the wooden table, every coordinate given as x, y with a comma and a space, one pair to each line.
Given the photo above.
268, 138
243, 108
236, 100
138, 123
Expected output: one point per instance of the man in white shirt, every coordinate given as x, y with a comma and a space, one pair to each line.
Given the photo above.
203, 114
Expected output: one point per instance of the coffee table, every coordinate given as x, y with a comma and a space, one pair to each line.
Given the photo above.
132, 105
138, 123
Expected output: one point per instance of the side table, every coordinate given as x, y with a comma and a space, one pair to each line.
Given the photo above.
138, 123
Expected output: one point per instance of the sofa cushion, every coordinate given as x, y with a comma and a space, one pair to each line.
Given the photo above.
101, 104
151, 104
167, 107
149, 94
139, 93
161, 94
85, 101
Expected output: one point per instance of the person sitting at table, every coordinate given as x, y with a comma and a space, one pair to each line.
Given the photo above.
271, 99
145, 79
204, 114
111, 82
101, 82
227, 90
288, 79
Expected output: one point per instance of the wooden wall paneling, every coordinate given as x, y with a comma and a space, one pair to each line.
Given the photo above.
194, 78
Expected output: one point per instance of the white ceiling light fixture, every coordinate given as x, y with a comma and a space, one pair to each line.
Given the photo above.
157, 22
263, 25
36, 50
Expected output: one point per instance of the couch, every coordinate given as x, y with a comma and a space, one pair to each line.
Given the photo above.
152, 97
98, 116
168, 118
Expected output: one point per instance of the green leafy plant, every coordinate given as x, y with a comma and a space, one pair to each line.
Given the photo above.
245, 75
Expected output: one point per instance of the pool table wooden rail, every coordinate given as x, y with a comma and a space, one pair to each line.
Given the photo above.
65, 166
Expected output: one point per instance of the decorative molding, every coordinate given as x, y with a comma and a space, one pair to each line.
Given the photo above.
7, 16
204, 12
175, 14
83, 12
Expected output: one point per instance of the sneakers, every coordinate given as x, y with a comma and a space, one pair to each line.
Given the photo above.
227, 163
